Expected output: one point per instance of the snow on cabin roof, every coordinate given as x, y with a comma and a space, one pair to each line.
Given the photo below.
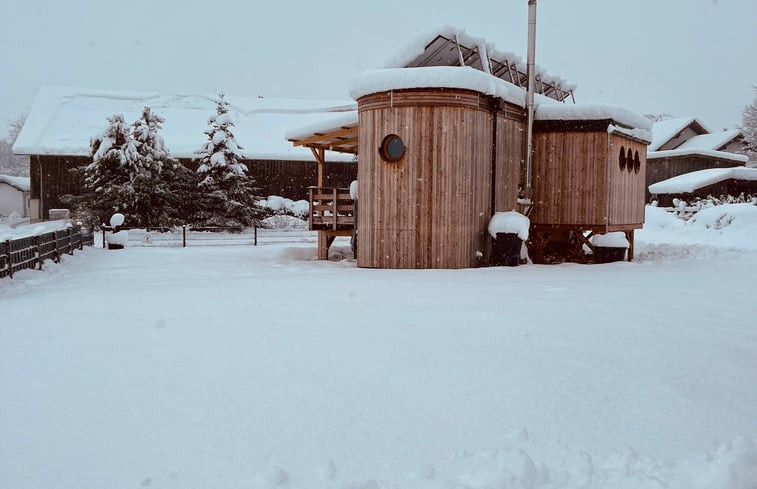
21, 183
471, 79
586, 112
664, 131
62, 121
447, 45
714, 141
435, 77
689, 182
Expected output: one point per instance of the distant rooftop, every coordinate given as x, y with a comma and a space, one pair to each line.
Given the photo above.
714, 141
21, 183
665, 131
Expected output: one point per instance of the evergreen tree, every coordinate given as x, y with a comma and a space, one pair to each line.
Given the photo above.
749, 129
228, 193
151, 202
107, 178
132, 172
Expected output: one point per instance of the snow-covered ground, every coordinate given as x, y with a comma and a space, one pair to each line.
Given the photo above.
259, 367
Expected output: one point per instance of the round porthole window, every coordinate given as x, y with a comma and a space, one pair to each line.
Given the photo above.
392, 148
622, 158
636, 162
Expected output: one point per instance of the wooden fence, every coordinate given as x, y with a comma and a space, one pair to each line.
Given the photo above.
31, 252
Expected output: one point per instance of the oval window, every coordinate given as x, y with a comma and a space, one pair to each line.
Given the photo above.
636, 162
622, 158
392, 148
629, 161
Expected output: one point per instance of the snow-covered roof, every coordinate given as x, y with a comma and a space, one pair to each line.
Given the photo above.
721, 155
714, 141
689, 182
664, 131
347, 119
21, 183
435, 77
62, 121
583, 112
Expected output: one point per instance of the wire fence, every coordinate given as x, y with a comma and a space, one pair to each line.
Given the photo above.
31, 252
183, 236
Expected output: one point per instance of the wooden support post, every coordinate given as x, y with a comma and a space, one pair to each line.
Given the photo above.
320, 157
323, 246
629, 237
335, 205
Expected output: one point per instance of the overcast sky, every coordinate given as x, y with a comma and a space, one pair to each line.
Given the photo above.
681, 57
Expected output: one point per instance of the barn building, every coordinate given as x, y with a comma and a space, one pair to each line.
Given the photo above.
439, 136
57, 133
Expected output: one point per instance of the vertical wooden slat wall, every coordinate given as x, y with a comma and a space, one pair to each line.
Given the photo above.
627, 189
570, 178
577, 181
510, 155
431, 208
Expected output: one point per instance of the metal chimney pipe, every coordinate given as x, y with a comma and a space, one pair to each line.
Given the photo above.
531, 55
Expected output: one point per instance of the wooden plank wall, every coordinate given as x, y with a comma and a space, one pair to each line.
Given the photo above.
431, 208
627, 188
570, 178
273, 177
510, 156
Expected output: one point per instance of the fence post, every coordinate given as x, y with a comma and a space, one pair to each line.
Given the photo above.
256, 235
184, 236
10, 260
37, 253
57, 249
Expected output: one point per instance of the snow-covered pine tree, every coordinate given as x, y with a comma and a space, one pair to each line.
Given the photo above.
228, 193
749, 130
156, 178
107, 178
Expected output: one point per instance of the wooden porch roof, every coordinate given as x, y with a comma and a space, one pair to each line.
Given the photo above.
341, 138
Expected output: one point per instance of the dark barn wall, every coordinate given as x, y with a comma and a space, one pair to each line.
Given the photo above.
53, 177
291, 179
285, 178
659, 169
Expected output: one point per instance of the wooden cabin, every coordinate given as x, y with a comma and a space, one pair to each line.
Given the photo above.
441, 147
588, 178
428, 203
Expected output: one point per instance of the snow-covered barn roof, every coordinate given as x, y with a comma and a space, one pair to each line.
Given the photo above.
714, 141
20, 183
689, 182
62, 121
664, 131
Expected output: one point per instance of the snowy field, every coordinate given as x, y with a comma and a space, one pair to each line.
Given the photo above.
258, 367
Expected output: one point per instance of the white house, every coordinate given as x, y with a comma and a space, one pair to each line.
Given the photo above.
14, 195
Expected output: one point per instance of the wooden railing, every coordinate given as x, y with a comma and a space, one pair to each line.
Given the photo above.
331, 209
